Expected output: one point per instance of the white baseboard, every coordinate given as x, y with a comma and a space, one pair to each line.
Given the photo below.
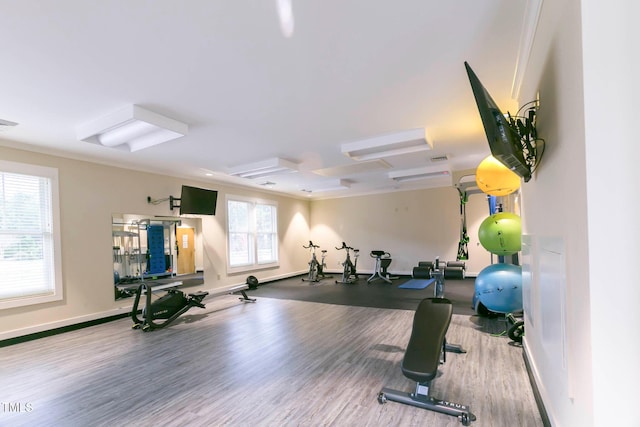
63, 323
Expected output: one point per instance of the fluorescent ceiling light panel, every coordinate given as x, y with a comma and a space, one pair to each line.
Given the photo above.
132, 128
275, 166
392, 144
331, 185
353, 168
418, 174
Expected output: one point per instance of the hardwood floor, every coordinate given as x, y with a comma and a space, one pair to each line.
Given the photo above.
273, 363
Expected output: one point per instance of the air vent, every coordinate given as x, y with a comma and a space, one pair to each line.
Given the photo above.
440, 158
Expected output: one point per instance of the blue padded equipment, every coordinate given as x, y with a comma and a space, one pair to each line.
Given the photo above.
424, 353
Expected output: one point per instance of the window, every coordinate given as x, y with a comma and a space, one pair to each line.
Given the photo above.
29, 235
252, 234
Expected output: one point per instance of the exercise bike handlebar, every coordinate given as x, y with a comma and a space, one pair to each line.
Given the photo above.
311, 245
344, 246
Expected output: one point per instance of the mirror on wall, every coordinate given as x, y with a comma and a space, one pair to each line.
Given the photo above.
158, 249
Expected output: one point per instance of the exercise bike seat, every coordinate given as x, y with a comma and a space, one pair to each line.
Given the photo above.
375, 254
195, 299
199, 294
430, 324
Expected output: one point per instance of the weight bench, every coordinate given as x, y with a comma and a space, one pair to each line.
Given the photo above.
425, 351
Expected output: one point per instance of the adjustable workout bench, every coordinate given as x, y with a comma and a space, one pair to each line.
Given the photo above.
423, 355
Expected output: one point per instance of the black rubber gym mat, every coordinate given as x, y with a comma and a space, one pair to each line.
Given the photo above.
375, 294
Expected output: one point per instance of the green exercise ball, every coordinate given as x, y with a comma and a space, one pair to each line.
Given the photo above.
501, 233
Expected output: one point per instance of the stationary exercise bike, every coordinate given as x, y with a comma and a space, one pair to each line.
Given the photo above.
316, 269
349, 274
169, 307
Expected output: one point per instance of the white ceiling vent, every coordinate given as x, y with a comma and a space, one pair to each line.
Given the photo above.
440, 158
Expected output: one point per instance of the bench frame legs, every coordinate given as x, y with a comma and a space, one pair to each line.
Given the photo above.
421, 399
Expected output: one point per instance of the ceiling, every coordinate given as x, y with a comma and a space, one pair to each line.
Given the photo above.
351, 70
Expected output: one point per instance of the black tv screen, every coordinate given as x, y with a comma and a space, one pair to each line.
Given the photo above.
198, 201
504, 141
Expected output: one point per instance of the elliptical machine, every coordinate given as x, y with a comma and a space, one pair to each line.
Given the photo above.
169, 307
349, 274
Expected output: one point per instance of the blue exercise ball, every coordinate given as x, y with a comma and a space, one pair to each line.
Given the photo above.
498, 288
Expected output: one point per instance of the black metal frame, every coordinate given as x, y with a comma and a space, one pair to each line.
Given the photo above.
147, 323
421, 399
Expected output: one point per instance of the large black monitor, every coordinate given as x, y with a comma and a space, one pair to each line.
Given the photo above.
198, 201
505, 142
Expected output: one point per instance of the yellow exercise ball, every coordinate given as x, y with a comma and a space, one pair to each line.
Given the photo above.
496, 179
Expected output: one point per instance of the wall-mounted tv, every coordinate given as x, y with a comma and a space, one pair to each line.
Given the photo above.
505, 142
198, 201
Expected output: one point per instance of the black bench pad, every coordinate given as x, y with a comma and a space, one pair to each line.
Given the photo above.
430, 324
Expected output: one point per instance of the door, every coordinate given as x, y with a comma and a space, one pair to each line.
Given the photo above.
186, 250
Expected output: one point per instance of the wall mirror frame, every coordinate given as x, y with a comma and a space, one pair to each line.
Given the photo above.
158, 249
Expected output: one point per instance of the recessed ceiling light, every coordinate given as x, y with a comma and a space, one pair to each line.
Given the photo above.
418, 174
264, 168
388, 145
133, 128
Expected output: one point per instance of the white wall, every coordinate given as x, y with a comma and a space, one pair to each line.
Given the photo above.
89, 195
578, 213
557, 336
412, 226
610, 35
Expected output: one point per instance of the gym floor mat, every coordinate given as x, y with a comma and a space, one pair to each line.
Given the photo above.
377, 294
416, 283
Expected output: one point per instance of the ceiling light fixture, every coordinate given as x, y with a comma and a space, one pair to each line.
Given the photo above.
418, 174
275, 166
392, 144
353, 168
330, 185
133, 128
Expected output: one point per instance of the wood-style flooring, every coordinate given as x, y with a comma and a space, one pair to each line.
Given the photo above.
271, 363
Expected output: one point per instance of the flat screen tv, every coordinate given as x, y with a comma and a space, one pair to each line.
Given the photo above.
198, 201
505, 142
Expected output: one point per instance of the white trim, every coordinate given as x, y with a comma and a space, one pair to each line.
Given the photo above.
529, 26
52, 175
254, 266
62, 323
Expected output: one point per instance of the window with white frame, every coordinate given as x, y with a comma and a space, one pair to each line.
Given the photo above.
30, 271
252, 233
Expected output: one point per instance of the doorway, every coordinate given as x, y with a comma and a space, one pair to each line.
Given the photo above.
185, 250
